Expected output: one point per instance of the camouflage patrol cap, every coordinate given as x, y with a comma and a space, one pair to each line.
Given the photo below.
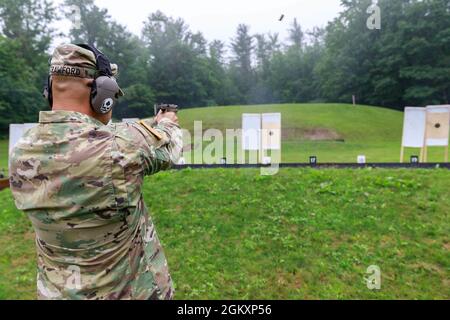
74, 61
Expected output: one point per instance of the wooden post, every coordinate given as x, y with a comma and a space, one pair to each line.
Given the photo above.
425, 147
421, 155
446, 153
261, 150
4, 183
402, 153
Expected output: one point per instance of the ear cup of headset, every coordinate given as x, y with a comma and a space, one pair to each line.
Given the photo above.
104, 94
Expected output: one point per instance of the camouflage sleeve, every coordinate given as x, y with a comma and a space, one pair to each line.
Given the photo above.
161, 146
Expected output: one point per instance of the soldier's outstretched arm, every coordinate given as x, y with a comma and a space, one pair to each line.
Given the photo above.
162, 145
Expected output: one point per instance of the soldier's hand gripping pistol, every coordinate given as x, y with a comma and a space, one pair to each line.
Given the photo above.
164, 107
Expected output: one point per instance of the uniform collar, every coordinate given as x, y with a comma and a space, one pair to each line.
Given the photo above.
60, 116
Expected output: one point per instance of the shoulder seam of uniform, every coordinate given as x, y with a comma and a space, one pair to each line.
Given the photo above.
151, 130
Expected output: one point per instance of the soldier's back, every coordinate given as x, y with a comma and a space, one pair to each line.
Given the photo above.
80, 183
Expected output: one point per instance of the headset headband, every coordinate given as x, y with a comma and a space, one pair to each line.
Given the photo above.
102, 62
104, 89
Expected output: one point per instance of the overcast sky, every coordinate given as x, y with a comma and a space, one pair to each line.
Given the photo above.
218, 19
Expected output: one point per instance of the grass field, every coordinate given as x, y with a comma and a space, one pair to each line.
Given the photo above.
302, 234
3, 155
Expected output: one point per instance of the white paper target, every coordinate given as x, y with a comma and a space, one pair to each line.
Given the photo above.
28, 126
266, 160
414, 127
251, 131
16, 131
437, 125
271, 131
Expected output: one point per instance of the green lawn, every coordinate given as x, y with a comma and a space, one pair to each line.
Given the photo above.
4, 155
301, 234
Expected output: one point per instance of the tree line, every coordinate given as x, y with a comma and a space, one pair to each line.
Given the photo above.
406, 62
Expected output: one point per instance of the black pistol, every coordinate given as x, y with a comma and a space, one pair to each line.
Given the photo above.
164, 107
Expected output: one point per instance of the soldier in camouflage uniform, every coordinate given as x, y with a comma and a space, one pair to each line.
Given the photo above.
80, 182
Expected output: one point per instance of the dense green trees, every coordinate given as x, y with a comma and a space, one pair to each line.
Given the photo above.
406, 62
18, 92
25, 38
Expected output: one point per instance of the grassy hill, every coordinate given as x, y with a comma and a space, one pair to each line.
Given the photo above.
333, 132
302, 234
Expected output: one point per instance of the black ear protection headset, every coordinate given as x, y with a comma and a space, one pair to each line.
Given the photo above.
104, 90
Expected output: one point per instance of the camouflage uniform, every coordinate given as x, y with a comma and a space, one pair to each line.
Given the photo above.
80, 182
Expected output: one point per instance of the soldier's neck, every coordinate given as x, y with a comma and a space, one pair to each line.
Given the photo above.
71, 105
78, 106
